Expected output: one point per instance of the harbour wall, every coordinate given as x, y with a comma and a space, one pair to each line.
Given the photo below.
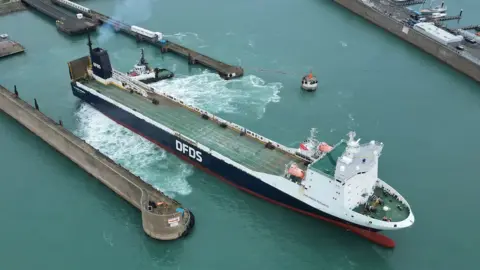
163, 222
457, 59
11, 6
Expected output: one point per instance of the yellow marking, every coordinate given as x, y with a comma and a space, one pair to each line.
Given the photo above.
102, 82
117, 85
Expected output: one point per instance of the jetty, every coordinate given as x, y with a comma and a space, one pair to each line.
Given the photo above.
9, 47
461, 53
65, 21
163, 218
156, 39
10, 6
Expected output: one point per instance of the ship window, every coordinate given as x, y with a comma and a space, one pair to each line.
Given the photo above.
338, 181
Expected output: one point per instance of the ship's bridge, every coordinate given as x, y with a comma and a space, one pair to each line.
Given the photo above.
357, 159
348, 158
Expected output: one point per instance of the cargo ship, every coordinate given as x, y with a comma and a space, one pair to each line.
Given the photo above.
336, 183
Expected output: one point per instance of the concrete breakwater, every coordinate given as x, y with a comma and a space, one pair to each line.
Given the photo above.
9, 47
10, 6
162, 217
461, 61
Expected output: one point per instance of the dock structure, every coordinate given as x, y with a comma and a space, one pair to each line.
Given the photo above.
10, 6
475, 27
408, 3
449, 18
156, 39
400, 21
163, 218
9, 47
65, 21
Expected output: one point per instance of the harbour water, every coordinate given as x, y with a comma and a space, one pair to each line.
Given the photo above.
59, 217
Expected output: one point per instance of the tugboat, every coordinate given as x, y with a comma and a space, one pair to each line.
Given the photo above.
309, 82
143, 73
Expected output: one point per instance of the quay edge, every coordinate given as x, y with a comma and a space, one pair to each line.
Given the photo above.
163, 218
440, 51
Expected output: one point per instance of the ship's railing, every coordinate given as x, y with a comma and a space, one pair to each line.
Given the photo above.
133, 84
211, 116
191, 141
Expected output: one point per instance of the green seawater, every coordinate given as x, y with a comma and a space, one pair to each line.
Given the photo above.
55, 216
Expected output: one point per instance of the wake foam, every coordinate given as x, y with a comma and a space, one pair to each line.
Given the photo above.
133, 152
247, 95
190, 38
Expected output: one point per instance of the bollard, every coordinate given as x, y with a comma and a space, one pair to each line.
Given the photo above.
191, 60
36, 104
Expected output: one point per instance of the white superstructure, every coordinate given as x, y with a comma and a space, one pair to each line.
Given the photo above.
437, 33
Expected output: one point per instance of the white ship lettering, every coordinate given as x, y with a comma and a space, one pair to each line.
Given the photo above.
197, 155
316, 200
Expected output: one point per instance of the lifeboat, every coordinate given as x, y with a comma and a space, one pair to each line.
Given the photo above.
304, 147
324, 147
294, 170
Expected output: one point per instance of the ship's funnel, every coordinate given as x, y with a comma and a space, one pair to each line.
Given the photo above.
101, 65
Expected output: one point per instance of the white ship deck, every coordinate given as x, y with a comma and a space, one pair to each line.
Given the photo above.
243, 149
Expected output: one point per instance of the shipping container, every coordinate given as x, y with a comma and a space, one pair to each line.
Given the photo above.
142, 31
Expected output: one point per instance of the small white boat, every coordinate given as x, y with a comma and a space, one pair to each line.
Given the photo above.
438, 15
438, 9
309, 82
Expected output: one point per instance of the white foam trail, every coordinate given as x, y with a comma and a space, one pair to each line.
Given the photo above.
184, 36
247, 95
134, 152
343, 43
188, 39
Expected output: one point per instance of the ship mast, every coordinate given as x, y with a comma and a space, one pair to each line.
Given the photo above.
89, 43
143, 62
